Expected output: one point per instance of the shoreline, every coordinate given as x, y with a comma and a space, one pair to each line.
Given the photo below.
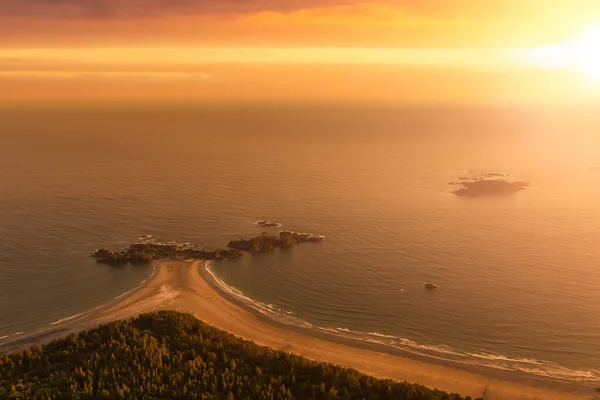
87, 319
188, 287
531, 386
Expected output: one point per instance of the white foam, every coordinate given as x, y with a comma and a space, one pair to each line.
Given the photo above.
65, 319
381, 335
3, 337
558, 372
331, 330
439, 352
495, 361
265, 309
500, 357
17, 333
125, 294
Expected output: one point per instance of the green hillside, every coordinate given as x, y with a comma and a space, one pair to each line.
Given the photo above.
169, 355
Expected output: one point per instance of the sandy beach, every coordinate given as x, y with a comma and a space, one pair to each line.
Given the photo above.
179, 286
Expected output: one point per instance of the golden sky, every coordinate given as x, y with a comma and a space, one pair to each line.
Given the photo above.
411, 50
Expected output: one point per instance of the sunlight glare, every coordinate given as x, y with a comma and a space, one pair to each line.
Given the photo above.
581, 53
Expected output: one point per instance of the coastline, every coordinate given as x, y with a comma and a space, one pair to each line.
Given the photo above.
184, 287
88, 319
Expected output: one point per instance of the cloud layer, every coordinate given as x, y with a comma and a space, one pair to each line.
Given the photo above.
140, 8
137, 8
353, 23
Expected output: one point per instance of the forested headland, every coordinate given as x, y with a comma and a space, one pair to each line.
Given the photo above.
170, 355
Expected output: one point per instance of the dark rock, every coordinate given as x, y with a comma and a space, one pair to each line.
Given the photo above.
256, 244
146, 250
268, 224
106, 256
494, 175
490, 187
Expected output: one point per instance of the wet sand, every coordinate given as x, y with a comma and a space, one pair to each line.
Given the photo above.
180, 286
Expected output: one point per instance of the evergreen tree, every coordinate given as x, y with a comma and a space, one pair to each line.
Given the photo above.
169, 355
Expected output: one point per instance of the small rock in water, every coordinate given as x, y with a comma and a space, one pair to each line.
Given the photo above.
268, 224
431, 286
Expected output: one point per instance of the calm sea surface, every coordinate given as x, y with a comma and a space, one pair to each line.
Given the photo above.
519, 277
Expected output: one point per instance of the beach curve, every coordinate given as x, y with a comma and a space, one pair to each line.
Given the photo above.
184, 287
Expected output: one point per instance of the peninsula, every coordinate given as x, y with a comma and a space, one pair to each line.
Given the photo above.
188, 287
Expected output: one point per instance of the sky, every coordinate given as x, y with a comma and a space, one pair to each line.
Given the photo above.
350, 50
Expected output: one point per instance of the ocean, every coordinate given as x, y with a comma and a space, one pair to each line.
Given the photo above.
518, 275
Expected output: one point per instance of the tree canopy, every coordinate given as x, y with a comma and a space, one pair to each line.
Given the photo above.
169, 355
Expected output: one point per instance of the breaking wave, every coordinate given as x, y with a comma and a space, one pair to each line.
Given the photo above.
65, 319
266, 309
538, 368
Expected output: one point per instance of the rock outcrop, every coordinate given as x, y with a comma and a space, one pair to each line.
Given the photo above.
267, 243
147, 249
487, 184
268, 224
489, 187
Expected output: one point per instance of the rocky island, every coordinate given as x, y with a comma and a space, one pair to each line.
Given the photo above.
267, 243
147, 249
268, 224
489, 184
490, 187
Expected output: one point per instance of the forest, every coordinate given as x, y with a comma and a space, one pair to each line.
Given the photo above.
170, 355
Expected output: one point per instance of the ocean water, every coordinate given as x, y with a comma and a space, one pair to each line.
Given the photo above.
518, 276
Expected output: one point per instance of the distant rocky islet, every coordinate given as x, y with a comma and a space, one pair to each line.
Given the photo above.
487, 185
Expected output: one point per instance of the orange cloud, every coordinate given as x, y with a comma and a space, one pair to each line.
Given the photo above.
392, 50
382, 23
143, 8
361, 14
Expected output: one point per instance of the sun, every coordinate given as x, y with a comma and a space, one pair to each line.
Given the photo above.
585, 51
582, 53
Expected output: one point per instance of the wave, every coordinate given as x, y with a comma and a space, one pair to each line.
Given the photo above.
381, 335
65, 319
562, 373
499, 357
72, 317
126, 293
528, 366
266, 309
11, 334
496, 361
